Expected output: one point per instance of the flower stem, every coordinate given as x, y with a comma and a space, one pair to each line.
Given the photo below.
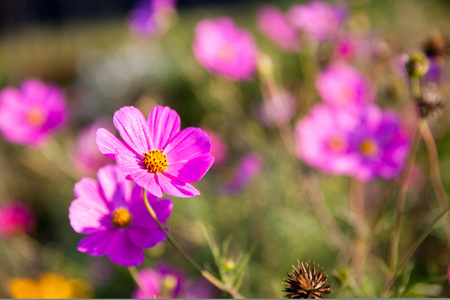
357, 204
211, 278
435, 173
413, 249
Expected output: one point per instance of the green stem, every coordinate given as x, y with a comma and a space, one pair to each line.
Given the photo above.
211, 278
413, 249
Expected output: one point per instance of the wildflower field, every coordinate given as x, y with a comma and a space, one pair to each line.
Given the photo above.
257, 149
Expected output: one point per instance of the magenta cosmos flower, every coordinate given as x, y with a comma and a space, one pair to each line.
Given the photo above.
343, 85
113, 215
272, 23
225, 49
15, 217
151, 17
317, 18
249, 166
30, 114
365, 143
155, 153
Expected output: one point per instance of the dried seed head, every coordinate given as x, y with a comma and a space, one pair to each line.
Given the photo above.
306, 283
437, 46
430, 102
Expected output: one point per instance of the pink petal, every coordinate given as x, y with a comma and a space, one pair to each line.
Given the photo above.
113, 184
149, 181
96, 244
87, 189
176, 188
131, 125
192, 170
143, 219
129, 162
108, 143
85, 217
145, 238
164, 124
123, 251
187, 144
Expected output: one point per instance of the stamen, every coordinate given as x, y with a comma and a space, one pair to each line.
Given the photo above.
36, 117
155, 161
337, 144
121, 218
368, 147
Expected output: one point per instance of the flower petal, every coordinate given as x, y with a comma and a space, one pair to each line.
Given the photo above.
97, 243
145, 238
192, 170
132, 127
187, 144
87, 189
149, 181
129, 161
108, 143
123, 251
143, 219
174, 187
113, 185
164, 123
86, 218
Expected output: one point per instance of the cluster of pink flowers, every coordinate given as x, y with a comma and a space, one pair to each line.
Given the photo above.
348, 134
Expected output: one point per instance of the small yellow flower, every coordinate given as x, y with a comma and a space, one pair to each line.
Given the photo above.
49, 285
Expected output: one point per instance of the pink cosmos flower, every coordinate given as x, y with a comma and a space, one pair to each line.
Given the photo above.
249, 166
365, 143
30, 114
151, 17
272, 23
342, 85
155, 153
219, 149
164, 281
381, 144
225, 49
15, 217
317, 18
113, 215
323, 139
87, 156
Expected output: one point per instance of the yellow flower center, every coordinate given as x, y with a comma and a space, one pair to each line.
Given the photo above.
121, 218
36, 117
337, 144
368, 147
155, 161
169, 282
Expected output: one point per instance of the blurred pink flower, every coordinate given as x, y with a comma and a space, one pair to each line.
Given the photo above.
30, 114
165, 281
155, 153
87, 156
342, 85
15, 217
249, 166
219, 149
272, 23
280, 108
365, 143
112, 213
351, 48
151, 17
225, 49
317, 18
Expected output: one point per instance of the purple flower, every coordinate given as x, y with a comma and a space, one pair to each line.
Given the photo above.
87, 156
219, 149
248, 168
30, 114
225, 49
113, 215
342, 85
151, 17
364, 143
317, 18
272, 23
380, 143
323, 139
165, 281
155, 153
15, 217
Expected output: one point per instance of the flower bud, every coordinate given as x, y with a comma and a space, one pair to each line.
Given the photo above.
417, 65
